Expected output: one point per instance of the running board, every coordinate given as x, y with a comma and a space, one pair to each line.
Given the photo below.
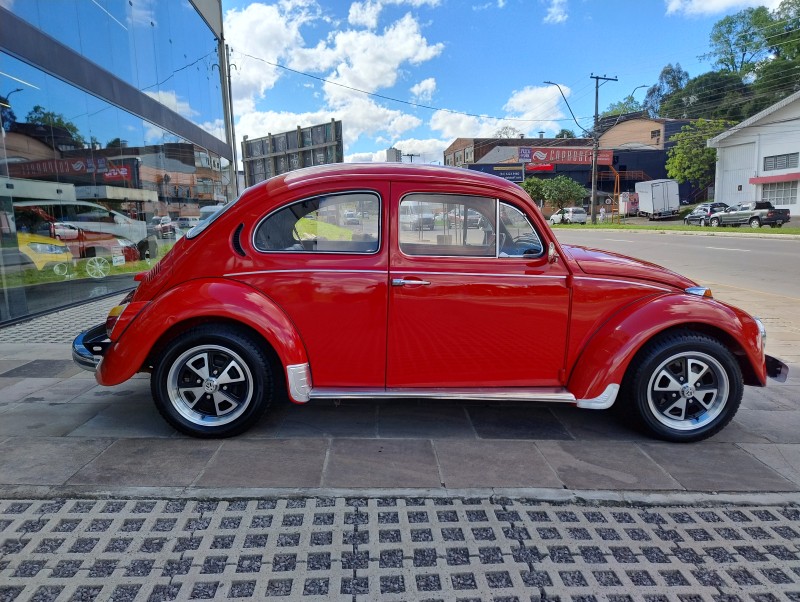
486, 394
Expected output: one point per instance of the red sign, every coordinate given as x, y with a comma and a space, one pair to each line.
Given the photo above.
569, 155
540, 167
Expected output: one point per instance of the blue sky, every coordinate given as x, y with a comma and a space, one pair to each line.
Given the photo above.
480, 64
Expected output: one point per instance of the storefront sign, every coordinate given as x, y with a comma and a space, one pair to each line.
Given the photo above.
565, 155
508, 171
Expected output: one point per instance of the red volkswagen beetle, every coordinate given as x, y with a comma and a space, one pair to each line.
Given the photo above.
281, 293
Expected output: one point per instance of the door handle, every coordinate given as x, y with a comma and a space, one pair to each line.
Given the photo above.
402, 282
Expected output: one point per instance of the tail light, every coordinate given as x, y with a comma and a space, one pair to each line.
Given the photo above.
120, 315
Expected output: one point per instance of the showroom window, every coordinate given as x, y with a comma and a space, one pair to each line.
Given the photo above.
780, 193
336, 223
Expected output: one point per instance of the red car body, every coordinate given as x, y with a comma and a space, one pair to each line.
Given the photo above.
552, 322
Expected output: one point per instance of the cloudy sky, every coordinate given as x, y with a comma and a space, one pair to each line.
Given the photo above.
416, 74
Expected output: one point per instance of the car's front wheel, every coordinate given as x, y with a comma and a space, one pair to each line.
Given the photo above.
212, 382
714, 222
684, 386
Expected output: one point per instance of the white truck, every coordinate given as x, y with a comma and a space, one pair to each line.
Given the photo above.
658, 198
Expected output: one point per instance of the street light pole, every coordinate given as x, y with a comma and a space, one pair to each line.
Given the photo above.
596, 140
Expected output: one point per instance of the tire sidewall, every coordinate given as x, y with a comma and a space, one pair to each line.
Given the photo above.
653, 356
231, 339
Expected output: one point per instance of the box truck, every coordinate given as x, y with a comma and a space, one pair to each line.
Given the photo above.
658, 198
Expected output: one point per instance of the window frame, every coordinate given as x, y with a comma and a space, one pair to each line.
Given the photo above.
311, 253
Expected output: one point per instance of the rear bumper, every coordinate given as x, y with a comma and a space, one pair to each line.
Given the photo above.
89, 347
777, 369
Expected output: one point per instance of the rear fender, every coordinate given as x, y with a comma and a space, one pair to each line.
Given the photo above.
188, 303
610, 351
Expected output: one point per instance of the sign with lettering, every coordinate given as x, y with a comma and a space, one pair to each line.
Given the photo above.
569, 155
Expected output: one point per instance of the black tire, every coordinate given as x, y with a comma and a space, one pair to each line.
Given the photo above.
662, 397
209, 408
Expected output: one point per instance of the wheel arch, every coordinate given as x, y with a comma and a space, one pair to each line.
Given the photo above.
608, 354
232, 304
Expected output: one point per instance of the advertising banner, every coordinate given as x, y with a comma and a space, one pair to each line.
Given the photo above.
565, 155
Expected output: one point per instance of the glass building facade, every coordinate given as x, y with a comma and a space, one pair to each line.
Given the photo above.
115, 133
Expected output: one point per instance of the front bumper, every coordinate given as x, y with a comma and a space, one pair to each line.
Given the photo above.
89, 347
777, 369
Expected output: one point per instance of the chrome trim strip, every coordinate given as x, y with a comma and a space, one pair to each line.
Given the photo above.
305, 271
413, 272
299, 378
551, 394
602, 402
633, 282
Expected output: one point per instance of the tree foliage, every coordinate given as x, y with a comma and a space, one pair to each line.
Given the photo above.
712, 95
565, 133
508, 132
739, 41
535, 188
7, 115
40, 116
670, 80
628, 105
690, 160
561, 190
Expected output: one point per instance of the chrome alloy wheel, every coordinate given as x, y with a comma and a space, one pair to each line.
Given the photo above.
688, 391
210, 385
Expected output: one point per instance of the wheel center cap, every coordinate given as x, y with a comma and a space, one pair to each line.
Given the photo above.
210, 385
687, 391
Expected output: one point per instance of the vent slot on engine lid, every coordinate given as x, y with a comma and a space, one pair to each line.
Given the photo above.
236, 241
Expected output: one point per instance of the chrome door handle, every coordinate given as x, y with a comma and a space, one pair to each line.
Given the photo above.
402, 282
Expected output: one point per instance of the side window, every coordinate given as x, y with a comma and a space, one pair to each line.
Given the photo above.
336, 223
517, 236
447, 225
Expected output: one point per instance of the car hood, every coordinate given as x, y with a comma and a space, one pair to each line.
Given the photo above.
597, 262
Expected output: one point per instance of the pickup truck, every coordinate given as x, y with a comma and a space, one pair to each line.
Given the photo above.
754, 214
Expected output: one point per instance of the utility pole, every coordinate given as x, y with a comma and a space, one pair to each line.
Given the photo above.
596, 140
411, 156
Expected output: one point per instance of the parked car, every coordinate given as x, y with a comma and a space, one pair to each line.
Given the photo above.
351, 219
260, 301
701, 214
85, 244
569, 215
754, 214
186, 222
161, 226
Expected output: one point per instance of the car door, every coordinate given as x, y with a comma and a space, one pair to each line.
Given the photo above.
468, 307
732, 215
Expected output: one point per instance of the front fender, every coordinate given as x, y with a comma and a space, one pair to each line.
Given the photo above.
607, 355
199, 299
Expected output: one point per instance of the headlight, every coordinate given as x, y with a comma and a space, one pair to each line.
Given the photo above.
762, 331
48, 249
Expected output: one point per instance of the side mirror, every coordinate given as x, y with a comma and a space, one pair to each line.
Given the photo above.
552, 257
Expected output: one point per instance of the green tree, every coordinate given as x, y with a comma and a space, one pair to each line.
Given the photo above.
712, 95
561, 190
39, 116
7, 116
565, 133
535, 188
690, 160
784, 39
739, 41
670, 80
627, 105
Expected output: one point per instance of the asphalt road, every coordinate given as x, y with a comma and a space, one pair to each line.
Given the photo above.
766, 265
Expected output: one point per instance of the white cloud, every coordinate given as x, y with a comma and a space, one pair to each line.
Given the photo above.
455, 125
424, 90
713, 7
540, 107
367, 12
170, 99
556, 12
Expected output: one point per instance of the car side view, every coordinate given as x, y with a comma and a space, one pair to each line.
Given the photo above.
278, 296
569, 215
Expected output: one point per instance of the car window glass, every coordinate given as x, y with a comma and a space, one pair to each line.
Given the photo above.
447, 225
337, 223
517, 236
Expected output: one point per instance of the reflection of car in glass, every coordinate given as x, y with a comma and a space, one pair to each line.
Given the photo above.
569, 215
161, 226
84, 244
474, 218
185, 223
261, 301
43, 253
351, 219
416, 217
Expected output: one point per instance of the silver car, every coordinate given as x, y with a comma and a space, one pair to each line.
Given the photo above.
569, 215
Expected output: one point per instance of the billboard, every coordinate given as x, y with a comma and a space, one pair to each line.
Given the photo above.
564, 155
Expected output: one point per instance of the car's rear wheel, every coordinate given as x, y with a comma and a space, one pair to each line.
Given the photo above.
212, 382
98, 267
755, 222
684, 386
